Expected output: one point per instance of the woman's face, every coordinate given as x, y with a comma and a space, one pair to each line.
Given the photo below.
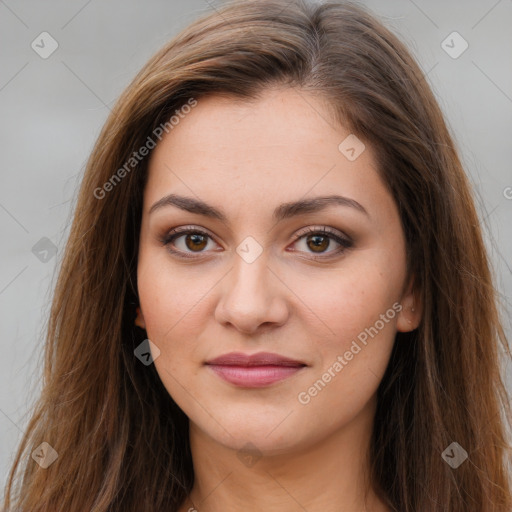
262, 278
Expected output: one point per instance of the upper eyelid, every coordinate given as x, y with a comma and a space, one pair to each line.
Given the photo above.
320, 229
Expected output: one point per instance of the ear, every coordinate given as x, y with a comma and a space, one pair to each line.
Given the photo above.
410, 316
139, 319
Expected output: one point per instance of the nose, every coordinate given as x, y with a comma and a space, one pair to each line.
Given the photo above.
253, 297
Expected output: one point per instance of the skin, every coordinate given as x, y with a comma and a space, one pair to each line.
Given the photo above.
280, 148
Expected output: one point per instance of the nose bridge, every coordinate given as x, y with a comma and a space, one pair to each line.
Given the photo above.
250, 275
249, 298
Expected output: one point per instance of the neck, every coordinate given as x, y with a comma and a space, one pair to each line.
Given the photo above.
328, 475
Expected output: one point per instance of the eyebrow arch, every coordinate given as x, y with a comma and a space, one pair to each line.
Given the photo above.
283, 211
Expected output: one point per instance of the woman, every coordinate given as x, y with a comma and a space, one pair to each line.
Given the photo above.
275, 293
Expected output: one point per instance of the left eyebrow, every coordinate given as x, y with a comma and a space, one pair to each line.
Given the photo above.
281, 212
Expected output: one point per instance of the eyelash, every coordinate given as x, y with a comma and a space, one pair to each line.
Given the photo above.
172, 235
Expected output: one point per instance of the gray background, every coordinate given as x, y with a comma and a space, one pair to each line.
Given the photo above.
53, 110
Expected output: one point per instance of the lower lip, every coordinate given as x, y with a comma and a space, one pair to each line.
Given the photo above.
254, 376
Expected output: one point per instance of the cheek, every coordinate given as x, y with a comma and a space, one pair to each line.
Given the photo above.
171, 306
359, 349
358, 310
176, 310
353, 301
351, 362
168, 299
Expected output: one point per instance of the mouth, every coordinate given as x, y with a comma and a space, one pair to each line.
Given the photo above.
253, 371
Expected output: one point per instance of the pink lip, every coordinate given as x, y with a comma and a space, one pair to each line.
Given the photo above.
256, 370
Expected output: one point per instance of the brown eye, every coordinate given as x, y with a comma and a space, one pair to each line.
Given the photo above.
195, 241
318, 240
318, 243
183, 242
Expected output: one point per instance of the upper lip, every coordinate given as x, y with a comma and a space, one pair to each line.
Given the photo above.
259, 359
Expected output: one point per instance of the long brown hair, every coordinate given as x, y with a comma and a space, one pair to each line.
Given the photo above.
122, 442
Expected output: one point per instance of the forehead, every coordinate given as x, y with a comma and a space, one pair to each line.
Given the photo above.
284, 145
280, 118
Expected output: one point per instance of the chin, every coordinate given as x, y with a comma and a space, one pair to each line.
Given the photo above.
263, 434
